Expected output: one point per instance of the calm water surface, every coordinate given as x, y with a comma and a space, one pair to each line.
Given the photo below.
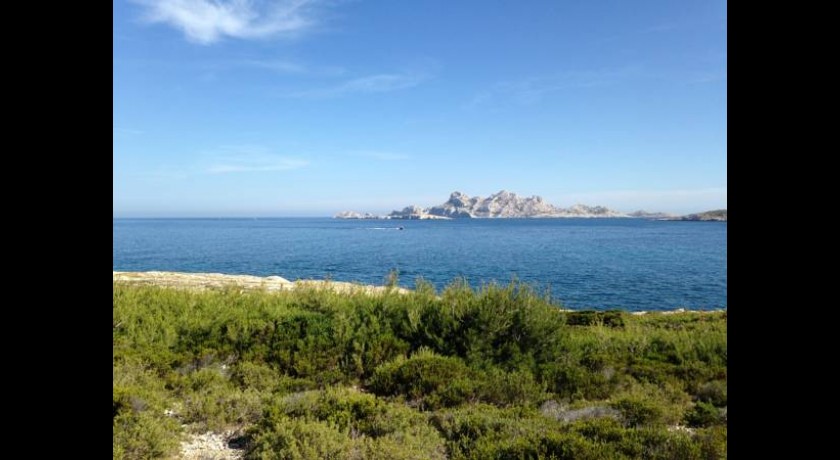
631, 264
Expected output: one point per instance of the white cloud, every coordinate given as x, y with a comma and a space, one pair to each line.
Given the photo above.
207, 21
237, 159
380, 83
276, 65
532, 90
279, 164
290, 67
160, 175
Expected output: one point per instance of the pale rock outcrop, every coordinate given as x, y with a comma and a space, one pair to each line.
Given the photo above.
414, 212
355, 215
503, 204
718, 215
201, 281
641, 214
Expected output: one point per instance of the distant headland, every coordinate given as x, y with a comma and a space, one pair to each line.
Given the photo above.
718, 215
504, 204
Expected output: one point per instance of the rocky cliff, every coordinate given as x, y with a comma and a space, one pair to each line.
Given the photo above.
718, 215
503, 204
652, 215
415, 212
355, 215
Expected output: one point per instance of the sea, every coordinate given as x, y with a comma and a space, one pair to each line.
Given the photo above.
629, 264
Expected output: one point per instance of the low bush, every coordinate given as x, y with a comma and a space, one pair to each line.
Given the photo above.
610, 318
703, 415
712, 392
498, 372
341, 421
430, 380
143, 434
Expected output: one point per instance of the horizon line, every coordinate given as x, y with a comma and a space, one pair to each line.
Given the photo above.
380, 216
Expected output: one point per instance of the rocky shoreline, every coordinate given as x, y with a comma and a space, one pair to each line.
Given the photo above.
718, 215
219, 280
201, 281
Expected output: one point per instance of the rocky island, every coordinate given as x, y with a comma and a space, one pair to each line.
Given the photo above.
652, 215
355, 215
718, 215
503, 204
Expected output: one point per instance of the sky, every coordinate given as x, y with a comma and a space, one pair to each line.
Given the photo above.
307, 108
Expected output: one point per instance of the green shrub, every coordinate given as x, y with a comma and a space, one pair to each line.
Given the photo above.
400, 447
208, 399
712, 442
635, 411
296, 439
605, 430
479, 362
263, 378
610, 318
258, 376
143, 435
518, 388
548, 445
430, 379
368, 427
572, 380
712, 392
703, 415
658, 444
482, 431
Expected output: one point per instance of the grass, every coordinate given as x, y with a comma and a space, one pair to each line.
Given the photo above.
499, 372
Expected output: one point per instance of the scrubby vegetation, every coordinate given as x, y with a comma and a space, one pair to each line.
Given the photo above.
462, 374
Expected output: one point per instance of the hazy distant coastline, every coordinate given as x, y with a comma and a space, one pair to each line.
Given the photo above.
500, 205
718, 215
508, 205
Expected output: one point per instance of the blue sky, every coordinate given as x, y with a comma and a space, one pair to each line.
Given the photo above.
307, 108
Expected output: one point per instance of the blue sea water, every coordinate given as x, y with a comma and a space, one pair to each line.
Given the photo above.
631, 264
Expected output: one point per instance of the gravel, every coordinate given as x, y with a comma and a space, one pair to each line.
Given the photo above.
210, 446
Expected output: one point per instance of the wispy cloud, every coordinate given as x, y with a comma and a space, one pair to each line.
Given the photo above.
208, 21
239, 159
379, 83
278, 66
532, 89
281, 66
383, 156
161, 175
277, 164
